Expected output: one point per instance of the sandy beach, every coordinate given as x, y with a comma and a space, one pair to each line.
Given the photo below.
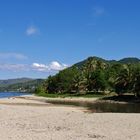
22, 119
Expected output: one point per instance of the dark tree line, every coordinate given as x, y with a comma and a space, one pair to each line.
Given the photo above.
96, 76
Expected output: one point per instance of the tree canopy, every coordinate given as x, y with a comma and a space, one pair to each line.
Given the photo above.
97, 75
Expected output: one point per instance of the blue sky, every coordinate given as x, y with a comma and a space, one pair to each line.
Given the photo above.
41, 37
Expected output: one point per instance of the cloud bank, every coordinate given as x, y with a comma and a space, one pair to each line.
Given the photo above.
38, 67
53, 66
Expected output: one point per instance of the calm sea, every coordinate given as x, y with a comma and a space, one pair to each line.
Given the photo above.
11, 94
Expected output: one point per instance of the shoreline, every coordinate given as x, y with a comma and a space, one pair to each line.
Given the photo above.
37, 120
42, 99
33, 100
74, 99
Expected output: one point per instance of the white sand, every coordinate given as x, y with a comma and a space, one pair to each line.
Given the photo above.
32, 120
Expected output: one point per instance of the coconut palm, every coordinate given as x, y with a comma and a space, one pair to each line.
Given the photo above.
136, 81
124, 80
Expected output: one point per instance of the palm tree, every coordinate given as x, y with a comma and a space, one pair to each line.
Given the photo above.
124, 80
93, 74
78, 83
136, 81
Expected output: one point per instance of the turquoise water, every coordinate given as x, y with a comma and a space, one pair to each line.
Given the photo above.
11, 94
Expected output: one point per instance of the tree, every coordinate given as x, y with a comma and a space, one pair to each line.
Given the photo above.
78, 84
96, 75
98, 81
39, 90
63, 81
123, 81
136, 81
51, 84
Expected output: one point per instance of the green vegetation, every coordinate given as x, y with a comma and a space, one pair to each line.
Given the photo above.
8, 82
95, 76
21, 86
65, 95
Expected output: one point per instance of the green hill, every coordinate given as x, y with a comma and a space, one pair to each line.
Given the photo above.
25, 85
129, 60
97, 75
7, 82
94, 58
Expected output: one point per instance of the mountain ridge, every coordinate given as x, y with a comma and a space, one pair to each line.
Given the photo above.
126, 60
7, 82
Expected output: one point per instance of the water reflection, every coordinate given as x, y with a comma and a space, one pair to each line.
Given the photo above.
100, 107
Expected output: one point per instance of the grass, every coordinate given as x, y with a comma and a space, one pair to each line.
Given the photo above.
66, 95
130, 98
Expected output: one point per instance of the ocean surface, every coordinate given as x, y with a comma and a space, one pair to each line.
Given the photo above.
11, 94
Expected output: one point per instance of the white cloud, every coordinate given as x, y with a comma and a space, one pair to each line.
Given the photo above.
57, 66
32, 31
12, 55
14, 67
39, 67
53, 66
98, 11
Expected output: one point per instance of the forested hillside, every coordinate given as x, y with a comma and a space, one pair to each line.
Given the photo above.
14, 81
96, 75
21, 86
